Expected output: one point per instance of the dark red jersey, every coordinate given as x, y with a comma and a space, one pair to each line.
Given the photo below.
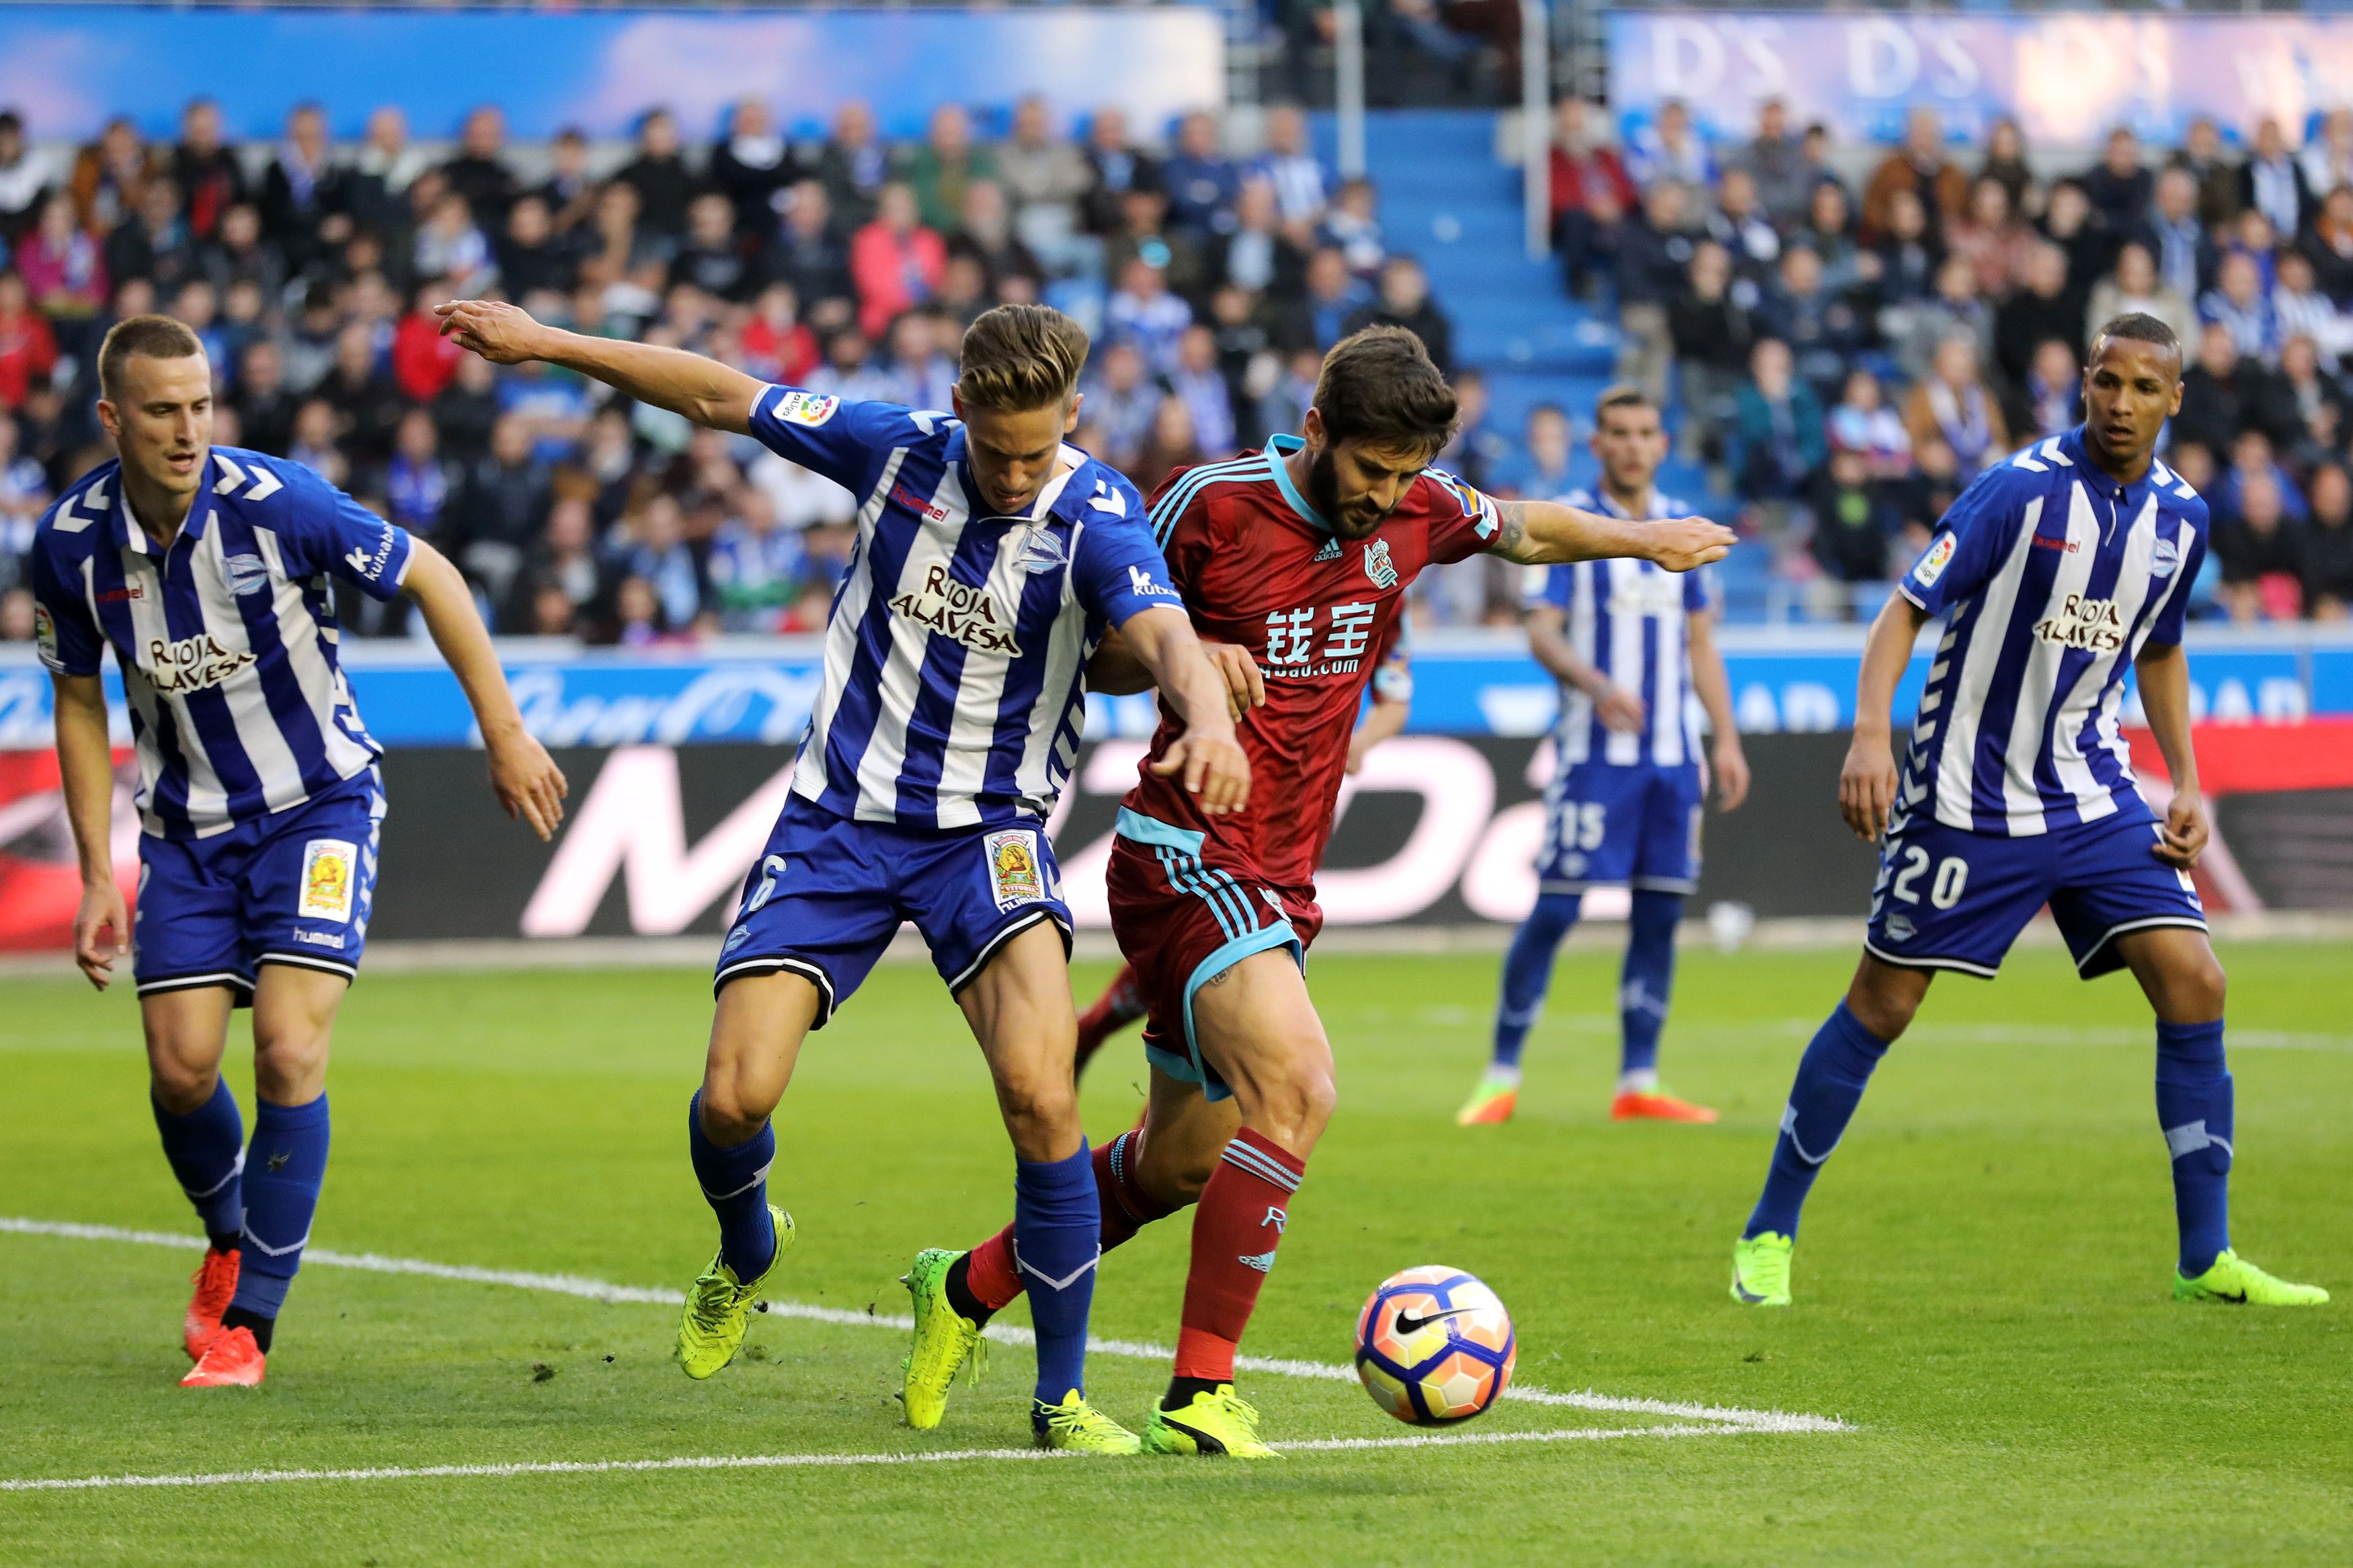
1256, 566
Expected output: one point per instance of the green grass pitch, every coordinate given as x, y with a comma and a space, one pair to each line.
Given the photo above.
1981, 1291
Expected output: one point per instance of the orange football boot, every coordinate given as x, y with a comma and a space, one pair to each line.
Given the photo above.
215, 1282
1653, 1105
231, 1361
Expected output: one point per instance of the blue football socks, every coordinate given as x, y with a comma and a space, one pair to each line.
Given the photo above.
207, 1150
1830, 1078
1646, 982
1528, 973
284, 1169
2194, 1101
1057, 1240
735, 1184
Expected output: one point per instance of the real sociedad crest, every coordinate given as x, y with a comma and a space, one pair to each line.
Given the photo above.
1377, 565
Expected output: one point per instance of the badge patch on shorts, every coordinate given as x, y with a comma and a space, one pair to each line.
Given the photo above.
1015, 875
329, 867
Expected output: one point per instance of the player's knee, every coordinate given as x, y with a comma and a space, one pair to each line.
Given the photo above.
289, 1065
2199, 990
1294, 1106
736, 1103
180, 1085
1886, 1011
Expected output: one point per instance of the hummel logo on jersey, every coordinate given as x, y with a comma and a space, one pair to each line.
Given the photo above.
928, 510
961, 611
1144, 586
193, 663
1329, 551
2091, 624
1377, 565
1262, 1261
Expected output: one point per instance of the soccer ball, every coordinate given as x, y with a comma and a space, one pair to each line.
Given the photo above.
1434, 1346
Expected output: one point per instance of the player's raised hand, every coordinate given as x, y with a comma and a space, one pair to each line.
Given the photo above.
499, 332
2183, 836
102, 931
1682, 543
1245, 686
1215, 768
1867, 785
527, 781
1621, 710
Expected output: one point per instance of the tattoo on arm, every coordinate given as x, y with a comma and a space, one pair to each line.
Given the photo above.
1220, 977
1512, 529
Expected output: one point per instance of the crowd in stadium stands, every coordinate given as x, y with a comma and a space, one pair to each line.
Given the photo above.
1843, 355
310, 270
1850, 355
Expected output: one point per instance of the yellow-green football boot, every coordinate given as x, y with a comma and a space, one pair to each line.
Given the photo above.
2240, 1283
719, 1308
946, 1341
1077, 1427
1220, 1422
1760, 1270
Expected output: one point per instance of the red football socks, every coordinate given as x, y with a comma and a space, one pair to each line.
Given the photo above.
1236, 1229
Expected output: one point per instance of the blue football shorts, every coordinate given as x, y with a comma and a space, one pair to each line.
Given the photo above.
1622, 824
1950, 898
294, 886
827, 894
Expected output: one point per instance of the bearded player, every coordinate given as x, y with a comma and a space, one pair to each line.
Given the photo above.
1300, 556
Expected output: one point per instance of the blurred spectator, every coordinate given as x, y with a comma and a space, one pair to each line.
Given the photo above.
1907, 253
2219, 396
1117, 168
850, 372
2069, 223
2330, 244
25, 178
2005, 164
2327, 159
1777, 438
28, 349
1922, 499
301, 201
241, 253
1201, 181
376, 184
1045, 176
810, 254
2329, 546
313, 442
1854, 518
2303, 311
712, 258
2272, 183
1952, 403
109, 174
1171, 446
1120, 402
894, 260
1478, 450
2045, 307
479, 172
805, 501
153, 243
2263, 555
419, 481
17, 621
529, 255
2051, 397
1956, 310
1740, 225
1255, 255
424, 361
1714, 334
1917, 168
2119, 185
946, 167
1290, 165
853, 165
2318, 401
1990, 238
1352, 226
1540, 471
1822, 329
467, 409
1404, 301
205, 169
756, 565
368, 406
63, 270
658, 174
449, 245
1145, 313
1829, 232
2211, 172
1861, 422
501, 508
751, 165
265, 406
1590, 191
1198, 384
777, 346
1671, 148
2240, 303
2185, 253
984, 233
1774, 159
1283, 406
2134, 288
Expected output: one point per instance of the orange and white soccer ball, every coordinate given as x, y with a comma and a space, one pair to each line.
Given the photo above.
1434, 1346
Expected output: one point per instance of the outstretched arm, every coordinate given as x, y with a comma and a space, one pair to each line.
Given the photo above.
702, 389
524, 777
2164, 672
1116, 671
1213, 766
1544, 532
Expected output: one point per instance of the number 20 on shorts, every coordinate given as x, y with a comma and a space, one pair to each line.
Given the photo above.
1944, 889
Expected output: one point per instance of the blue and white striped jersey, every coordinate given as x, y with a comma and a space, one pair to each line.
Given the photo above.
960, 639
1627, 619
2050, 577
225, 640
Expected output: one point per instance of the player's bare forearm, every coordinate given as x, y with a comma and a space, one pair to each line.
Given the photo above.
1207, 755
1384, 721
1115, 670
702, 390
1711, 683
528, 783
2163, 673
1549, 646
86, 770
1544, 532
1867, 783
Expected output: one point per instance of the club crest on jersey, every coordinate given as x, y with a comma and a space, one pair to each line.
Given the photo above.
1377, 565
328, 864
246, 574
2091, 624
952, 609
810, 408
1932, 565
2164, 558
1044, 552
1014, 876
191, 664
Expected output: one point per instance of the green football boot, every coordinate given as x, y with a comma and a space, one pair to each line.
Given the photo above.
1760, 1270
945, 1340
1215, 1423
2235, 1280
1077, 1427
719, 1308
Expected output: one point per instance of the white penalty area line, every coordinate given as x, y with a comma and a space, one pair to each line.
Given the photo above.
1727, 1418
810, 1461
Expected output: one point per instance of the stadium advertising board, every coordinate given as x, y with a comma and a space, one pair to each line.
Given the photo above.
2067, 76
1781, 683
69, 69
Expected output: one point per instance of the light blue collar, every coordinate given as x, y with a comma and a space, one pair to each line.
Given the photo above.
1278, 447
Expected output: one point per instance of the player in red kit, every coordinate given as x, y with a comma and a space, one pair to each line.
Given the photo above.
1296, 559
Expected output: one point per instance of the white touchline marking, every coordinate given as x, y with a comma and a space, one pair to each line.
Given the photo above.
604, 1291
1776, 1030
809, 1461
